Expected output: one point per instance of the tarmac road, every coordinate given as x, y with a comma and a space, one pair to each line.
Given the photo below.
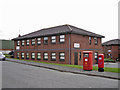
15, 75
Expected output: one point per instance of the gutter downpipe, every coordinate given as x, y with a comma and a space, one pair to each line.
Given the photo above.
69, 48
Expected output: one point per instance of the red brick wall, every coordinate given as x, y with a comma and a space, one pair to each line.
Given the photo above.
84, 44
114, 51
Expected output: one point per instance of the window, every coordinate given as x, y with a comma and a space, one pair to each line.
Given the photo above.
18, 43
33, 55
62, 56
38, 41
18, 55
62, 38
96, 55
22, 55
45, 56
33, 41
45, 40
79, 55
53, 39
53, 56
39, 56
27, 55
119, 47
90, 40
96, 40
22, 43
27, 42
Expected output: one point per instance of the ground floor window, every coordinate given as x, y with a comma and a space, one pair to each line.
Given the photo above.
39, 56
53, 56
79, 55
62, 56
27, 55
18, 55
96, 55
22, 55
45, 56
33, 55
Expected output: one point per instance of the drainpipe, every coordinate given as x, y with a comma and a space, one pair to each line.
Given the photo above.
69, 49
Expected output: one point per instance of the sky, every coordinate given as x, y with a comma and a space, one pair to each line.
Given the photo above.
25, 16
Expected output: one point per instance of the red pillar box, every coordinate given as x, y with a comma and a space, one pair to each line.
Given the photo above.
101, 63
87, 60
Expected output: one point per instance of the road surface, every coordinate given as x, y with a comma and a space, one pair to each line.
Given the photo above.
15, 75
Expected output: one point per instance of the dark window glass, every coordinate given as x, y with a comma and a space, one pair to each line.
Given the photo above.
79, 55
95, 40
22, 42
18, 55
90, 40
18, 43
96, 55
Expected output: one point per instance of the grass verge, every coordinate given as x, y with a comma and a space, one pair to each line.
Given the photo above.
106, 69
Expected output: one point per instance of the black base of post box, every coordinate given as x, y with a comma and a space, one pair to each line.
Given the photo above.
101, 69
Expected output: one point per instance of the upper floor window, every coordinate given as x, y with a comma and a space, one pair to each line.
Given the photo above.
33, 41
96, 55
38, 41
27, 42
22, 55
53, 56
27, 55
96, 40
53, 39
62, 38
23, 42
45, 40
33, 55
90, 40
62, 56
45, 56
119, 47
18, 43
39, 56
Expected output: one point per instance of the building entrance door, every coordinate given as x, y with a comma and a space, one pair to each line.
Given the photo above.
75, 58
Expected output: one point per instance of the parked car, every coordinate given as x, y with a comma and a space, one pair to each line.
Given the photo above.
2, 57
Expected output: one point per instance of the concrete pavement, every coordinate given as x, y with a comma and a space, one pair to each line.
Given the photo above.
70, 69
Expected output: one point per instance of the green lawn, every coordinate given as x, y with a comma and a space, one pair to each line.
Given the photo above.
106, 69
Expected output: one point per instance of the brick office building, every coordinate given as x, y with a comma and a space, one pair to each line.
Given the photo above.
61, 44
111, 49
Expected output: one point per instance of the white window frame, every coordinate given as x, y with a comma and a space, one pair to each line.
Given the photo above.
22, 55
23, 42
53, 39
32, 55
39, 55
33, 41
45, 56
27, 55
27, 42
53, 56
62, 39
96, 40
38, 41
62, 56
18, 43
